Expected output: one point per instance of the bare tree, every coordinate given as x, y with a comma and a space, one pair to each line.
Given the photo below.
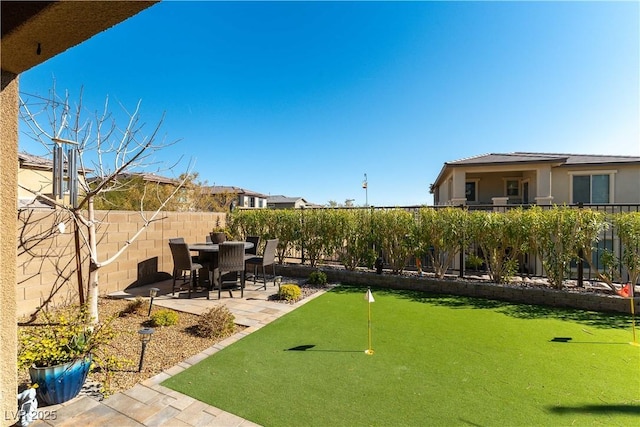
106, 149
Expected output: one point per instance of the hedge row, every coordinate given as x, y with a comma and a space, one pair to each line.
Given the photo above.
355, 237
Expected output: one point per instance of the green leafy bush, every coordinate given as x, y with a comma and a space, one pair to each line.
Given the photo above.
473, 261
439, 234
558, 235
289, 292
217, 322
317, 278
164, 317
395, 242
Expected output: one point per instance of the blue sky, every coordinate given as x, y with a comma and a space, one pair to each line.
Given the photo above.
304, 98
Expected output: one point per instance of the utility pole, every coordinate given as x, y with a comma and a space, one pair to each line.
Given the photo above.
365, 185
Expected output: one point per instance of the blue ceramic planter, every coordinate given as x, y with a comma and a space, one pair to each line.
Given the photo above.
57, 384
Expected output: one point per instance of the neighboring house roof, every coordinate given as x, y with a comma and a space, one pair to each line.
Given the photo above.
284, 199
31, 161
274, 201
221, 189
150, 177
34, 162
524, 157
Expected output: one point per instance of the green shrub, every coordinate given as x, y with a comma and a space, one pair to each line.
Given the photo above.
290, 292
164, 317
473, 261
137, 306
217, 322
317, 278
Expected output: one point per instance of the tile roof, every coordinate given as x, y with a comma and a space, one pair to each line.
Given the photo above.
524, 157
150, 177
518, 157
221, 189
31, 160
284, 199
37, 162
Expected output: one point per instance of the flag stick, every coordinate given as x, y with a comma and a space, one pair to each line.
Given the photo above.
633, 319
369, 350
369, 299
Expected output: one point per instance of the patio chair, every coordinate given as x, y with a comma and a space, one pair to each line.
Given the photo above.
250, 253
231, 260
194, 258
268, 258
183, 263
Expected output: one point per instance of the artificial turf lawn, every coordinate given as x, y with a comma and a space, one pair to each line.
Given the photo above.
438, 360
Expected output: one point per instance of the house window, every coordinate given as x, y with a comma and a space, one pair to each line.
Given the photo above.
470, 191
513, 188
592, 188
252, 202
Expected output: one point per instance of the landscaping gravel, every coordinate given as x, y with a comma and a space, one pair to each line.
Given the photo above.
169, 346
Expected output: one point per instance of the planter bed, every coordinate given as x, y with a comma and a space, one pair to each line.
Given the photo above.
527, 292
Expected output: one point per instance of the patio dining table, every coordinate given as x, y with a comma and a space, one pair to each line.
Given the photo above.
208, 254
213, 247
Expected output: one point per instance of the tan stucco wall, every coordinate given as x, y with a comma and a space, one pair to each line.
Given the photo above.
491, 182
53, 279
626, 182
36, 180
8, 195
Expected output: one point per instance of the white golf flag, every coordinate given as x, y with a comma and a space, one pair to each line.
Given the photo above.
369, 296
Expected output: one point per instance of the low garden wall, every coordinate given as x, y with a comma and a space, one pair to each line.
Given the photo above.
583, 300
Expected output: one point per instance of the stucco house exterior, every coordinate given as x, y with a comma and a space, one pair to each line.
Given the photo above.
35, 174
538, 178
32, 33
243, 198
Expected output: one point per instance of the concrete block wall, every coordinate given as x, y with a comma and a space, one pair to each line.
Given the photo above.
46, 264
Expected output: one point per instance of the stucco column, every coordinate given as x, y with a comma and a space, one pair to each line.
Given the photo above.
8, 209
543, 186
499, 203
458, 197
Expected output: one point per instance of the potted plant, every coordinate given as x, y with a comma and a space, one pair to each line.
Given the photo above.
59, 350
219, 233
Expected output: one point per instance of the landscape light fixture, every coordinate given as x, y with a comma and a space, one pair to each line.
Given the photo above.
145, 337
153, 292
277, 281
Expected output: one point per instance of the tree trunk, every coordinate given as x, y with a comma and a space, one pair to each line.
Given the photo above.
92, 297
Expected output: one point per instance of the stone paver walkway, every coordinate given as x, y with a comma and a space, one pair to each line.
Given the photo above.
149, 403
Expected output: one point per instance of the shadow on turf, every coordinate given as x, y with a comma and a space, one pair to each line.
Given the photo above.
597, 409
309, 347
568, 340
521, 311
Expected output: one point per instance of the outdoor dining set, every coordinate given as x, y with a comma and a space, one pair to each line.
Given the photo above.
221, 265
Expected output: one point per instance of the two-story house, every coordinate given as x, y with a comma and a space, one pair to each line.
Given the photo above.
242, 198
538, 178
